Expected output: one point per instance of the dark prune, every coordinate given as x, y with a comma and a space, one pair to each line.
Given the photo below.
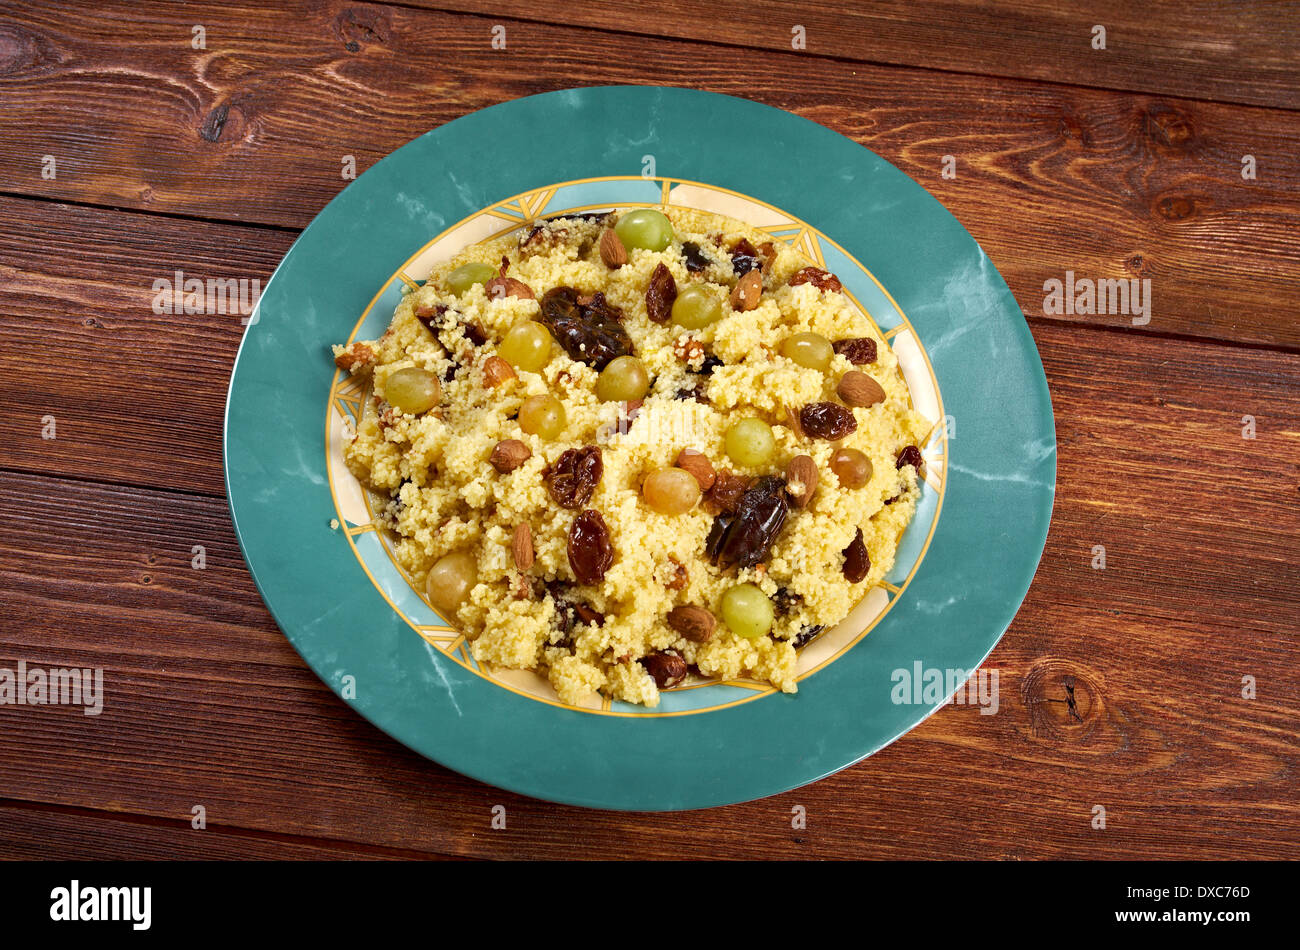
568, 611
827, 420
807, 633
590, 551
860, 350
590, 332
589, 615
573, 478
713, 543
744, 258
912, 456
760, 514
667, 668
431, 317
660, 294
857, 564
822, 280
696, 260
450, 372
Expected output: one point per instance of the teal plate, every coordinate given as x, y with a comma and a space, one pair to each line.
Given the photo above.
964, 564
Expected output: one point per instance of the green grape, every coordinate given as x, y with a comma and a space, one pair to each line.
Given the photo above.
750, 442
645, 228
526, 346
811, 350
695, 308
449, 582
623, 380
746, 611
671, 491
412, 390
542, 415
467, 275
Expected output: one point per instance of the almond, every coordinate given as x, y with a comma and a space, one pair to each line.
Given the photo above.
612, 251
498, 288
698, 464
522, 547
496, 371
355, 358
793, 423
509, 454
859, 389
694, 623
802, 471
745, 295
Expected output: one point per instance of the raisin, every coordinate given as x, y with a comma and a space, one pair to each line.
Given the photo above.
589, 615
590, 552
759, 516
710, 363
744, 258
667, 668
696, 260
660, 294
911, 456
589, 331
860, 350
450, 372
591, 217
857, 564
475, 334
786, 600
573, 477
807, 633
695, 392
827, 420
431, 317
822, 280
725, 494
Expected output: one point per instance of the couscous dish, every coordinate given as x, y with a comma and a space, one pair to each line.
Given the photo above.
621, 448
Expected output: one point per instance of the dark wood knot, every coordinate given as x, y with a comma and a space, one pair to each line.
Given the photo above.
1062, 699
360, 27
1168, 126
19, 50
1176, 207
1136, 264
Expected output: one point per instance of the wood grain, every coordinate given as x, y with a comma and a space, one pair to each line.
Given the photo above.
206, 703
1240, 52
1049, 177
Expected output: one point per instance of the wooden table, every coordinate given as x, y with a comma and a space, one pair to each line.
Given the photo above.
1121, 687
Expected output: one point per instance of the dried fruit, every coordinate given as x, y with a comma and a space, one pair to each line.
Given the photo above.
671, 491
821, 279
509, 454
859, 389
851, 467
725, 494
590, 551
521, 546
827, 420
573, 478
744, 258
694, 623
860, 350
806, 633
496, 371
745, 295
540, 239
695, 259
667, 668
660, 294
857, 564
612, 251
912, 456
698, 464
590, 331
356, 358
502, 286
760, 513
679, 577
801, 472
570, 612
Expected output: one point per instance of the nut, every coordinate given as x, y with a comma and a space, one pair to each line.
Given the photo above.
745, 295
793, 424
496, 371
509, 454
858, 389
612, 251
355, 358
802, 471
522, 546
679, 575
498, 288
698, 464
668, 669
694, 623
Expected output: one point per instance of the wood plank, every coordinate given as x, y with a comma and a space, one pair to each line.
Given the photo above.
1050, 177
37, 833
1241, 52
207, 704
